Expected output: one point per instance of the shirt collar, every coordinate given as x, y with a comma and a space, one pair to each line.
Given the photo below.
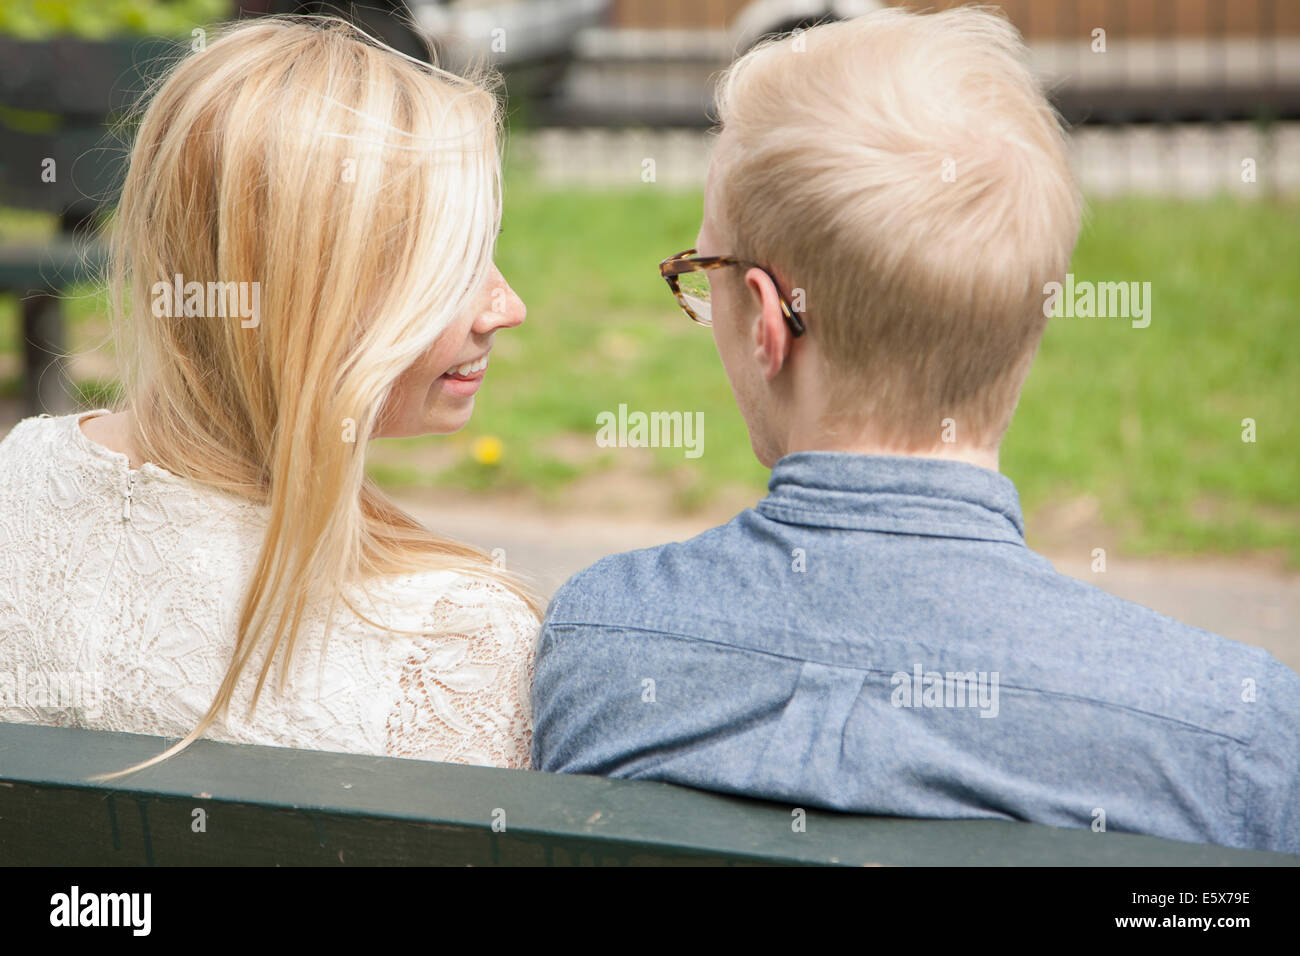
899, 494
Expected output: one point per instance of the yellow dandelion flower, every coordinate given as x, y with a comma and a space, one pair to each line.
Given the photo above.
487, 450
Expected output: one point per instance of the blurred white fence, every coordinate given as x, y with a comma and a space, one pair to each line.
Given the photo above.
1186, 159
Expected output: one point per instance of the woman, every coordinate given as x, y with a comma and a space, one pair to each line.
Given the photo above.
302, 262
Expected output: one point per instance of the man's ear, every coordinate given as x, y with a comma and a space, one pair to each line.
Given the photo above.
769, 333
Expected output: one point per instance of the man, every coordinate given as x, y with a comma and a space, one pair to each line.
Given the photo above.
890, 197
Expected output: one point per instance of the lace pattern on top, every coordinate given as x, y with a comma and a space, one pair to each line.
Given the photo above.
120, 593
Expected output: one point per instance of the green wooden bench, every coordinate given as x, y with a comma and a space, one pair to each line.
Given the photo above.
56, 101
226, 804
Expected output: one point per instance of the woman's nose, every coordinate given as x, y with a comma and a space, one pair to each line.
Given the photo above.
505, 309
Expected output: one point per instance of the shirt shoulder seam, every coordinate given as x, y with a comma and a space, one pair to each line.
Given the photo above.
676, 635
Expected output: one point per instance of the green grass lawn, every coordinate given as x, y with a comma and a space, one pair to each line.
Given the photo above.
1148, 421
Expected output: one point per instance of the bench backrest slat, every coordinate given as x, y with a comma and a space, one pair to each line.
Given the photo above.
270, 805
56, 101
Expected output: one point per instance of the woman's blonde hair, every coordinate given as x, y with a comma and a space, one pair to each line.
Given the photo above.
360, 190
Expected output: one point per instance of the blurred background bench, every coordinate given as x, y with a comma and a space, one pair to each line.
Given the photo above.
57, 101
221, 804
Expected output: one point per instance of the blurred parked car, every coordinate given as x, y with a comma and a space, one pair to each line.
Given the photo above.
530, 41
762, 18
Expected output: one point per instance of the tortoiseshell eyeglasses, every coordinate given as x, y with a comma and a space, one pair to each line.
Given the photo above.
685, 275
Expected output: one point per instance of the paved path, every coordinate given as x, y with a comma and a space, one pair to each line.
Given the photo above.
1235, 599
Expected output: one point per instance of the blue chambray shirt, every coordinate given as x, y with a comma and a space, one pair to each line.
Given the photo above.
876, 637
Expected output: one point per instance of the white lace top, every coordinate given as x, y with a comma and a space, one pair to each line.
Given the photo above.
120, 593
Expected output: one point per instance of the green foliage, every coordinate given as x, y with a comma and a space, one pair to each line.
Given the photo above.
97, 19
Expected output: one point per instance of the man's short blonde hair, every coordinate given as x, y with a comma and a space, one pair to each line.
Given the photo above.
907, 174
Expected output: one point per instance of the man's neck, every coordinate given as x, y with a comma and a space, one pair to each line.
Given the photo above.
809, 425
820, 440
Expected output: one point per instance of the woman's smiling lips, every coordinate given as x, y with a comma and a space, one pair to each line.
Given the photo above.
464, 379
